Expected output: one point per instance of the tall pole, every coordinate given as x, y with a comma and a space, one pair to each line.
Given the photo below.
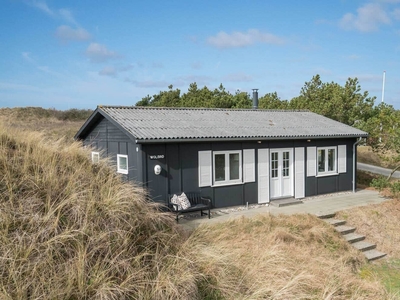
383, 97
383, 86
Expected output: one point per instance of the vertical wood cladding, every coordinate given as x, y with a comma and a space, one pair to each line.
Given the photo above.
111, 141
179, 164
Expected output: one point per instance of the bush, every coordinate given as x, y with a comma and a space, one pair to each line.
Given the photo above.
380, 183
74, 114
395, 189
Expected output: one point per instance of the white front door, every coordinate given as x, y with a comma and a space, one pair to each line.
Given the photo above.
281, 173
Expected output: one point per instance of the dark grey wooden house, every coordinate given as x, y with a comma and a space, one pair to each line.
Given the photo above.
234, 156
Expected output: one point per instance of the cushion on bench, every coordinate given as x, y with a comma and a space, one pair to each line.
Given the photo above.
175, 200
184, 201
190, 202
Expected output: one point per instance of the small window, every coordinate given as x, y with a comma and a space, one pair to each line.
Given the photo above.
122, 164
326, 160
286, 161
274, 164
95, 157
227, 167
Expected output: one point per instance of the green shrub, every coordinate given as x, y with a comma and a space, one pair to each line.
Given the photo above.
380, 183
395, 188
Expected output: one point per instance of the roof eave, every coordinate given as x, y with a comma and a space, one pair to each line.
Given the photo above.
238, 139
82, 133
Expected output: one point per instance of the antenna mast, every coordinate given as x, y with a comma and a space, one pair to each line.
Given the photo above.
383, 86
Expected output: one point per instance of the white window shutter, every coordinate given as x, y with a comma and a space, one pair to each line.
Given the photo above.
205, 171
299, 180
263, 175
311, 161
249, 172
342, 159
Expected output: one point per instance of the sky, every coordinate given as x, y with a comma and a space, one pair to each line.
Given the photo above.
80, 54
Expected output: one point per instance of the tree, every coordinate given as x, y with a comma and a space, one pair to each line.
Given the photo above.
272, 101
383, 127
344, 104
170, 98
242, 100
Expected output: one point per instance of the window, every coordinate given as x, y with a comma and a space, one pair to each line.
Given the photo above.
227, 167
95, 157
274, 164
326, 160
286, 161
122, 164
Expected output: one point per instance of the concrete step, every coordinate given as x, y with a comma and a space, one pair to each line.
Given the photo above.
285, 202
363, 246
325, 215
335, 222
354, 237
343, 229
373, 254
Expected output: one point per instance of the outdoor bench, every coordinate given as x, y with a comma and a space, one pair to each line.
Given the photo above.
197, 203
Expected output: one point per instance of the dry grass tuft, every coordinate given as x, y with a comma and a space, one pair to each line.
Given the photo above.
51, 123
74, 230
283, 257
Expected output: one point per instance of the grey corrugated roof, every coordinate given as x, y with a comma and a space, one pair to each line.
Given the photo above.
146, 123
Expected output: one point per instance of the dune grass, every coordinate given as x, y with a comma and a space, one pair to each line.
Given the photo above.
53, 124
74, 230
282, 257
380, 225
70, 229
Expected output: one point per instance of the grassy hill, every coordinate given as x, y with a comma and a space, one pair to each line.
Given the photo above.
50, 122
71, 229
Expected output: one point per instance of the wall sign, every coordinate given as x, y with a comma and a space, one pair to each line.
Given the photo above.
158, 156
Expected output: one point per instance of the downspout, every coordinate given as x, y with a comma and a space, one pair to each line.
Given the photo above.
355, 163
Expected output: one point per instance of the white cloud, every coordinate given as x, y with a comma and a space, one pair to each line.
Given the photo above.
368, 18
66, 14
108, 71
62, 13
27, 56
99, 53
43, 7
242, 39
66, 33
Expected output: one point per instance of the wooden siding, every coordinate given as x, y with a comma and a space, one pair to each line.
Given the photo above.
110, 141
181, 165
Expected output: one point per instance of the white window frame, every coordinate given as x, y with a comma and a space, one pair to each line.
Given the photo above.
95, 157
227, 168
327, 173
119, 169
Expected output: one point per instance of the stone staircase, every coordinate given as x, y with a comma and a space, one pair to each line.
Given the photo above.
349, 234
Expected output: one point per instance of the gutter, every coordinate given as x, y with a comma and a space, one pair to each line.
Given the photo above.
239, 139
355, 163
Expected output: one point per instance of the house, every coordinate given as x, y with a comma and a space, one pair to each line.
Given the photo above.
234, 156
